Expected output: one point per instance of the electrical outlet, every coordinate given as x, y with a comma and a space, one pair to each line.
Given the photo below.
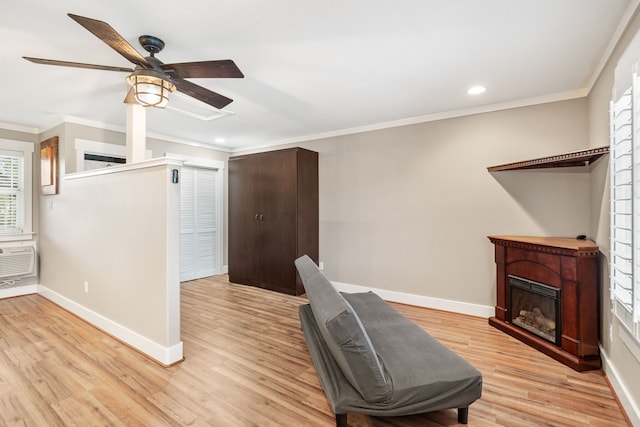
321, 265
86, 287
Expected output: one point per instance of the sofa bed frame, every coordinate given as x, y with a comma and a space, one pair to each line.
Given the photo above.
371, 359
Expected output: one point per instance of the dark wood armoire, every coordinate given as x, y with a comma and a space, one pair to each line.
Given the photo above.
273, 217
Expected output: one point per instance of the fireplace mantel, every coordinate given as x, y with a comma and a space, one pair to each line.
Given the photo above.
553, 245
568, 264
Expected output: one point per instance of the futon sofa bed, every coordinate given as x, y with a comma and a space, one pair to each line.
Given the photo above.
371, 359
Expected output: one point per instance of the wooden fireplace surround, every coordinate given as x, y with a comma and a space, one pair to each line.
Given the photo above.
570, 265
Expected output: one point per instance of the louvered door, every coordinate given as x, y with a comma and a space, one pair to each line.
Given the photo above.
198, 223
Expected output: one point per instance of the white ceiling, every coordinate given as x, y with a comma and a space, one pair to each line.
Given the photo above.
311, 67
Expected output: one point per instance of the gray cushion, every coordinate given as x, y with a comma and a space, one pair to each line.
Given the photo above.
426, 375
438, 380
344, 334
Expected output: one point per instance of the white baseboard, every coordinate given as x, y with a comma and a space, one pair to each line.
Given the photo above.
18, 291
164, 355
627, 402
421, 300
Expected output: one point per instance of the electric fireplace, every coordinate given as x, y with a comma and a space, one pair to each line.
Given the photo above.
547, 296
534, 307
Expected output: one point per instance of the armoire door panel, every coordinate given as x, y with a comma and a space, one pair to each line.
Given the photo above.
242, 225
265, 217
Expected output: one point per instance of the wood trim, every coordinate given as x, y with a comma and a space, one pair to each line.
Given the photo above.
553, 245
49, 174
573, 159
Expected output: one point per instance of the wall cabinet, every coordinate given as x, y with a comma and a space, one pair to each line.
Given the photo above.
273, 217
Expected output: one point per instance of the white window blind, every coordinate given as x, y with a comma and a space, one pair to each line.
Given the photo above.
632, 303
12, 194
625, 207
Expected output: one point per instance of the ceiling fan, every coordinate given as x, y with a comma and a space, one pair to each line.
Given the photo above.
151, 80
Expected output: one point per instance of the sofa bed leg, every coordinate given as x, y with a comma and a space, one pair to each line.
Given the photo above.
463, 415
341, 420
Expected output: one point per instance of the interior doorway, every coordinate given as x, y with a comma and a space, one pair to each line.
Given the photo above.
200, 223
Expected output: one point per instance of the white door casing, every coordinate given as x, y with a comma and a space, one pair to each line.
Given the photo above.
201, 221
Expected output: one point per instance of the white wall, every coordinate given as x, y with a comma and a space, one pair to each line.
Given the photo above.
69, 132
117, 231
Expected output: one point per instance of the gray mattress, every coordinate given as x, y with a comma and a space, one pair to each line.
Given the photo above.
424, 374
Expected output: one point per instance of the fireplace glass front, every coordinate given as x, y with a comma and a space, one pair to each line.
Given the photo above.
535, 307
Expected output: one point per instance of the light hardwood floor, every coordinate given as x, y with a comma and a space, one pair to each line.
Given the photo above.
246, 364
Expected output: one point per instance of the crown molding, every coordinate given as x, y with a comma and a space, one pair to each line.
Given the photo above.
19, 128
629, 14
123, 129
525, 102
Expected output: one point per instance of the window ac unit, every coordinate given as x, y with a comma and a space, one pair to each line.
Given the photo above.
17, 261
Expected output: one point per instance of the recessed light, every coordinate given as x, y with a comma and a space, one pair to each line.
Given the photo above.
476, 90
219, 140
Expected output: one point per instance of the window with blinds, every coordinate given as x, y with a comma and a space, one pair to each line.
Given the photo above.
12, 200
625, 207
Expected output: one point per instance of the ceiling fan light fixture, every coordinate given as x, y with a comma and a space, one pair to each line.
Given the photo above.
150, 88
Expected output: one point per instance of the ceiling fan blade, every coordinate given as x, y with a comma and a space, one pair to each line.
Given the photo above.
201, 94
77, 64
224, 68
107, 34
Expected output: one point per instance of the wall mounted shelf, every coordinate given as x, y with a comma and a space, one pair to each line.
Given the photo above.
573, 159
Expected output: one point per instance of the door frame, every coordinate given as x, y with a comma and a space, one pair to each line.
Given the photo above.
218, 166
